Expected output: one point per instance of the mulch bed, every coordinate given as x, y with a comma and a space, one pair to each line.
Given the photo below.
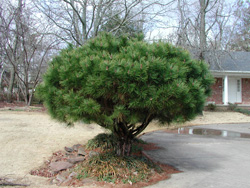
62, 156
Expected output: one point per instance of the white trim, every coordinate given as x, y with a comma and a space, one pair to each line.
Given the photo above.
243, 74
225, 96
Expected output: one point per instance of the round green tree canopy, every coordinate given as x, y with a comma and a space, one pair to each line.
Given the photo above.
111, 80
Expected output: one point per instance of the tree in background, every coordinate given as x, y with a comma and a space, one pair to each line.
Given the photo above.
241, 36
196, 23
132, 28
77, 21
123, 84
24, 49
10, 43
209, 26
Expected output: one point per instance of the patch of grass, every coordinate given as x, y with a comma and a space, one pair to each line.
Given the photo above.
231, 106
211, 107
106, 141
103, 141
110, 168
243, 111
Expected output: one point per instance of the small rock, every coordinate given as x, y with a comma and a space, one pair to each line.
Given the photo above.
53, 181
65, 174
68, 149
93, 153
60, 165
88, 180
75, 160
73, 174
66, 182
63, 178
60, 178
135, 173
81, 151
76, 147
69, 154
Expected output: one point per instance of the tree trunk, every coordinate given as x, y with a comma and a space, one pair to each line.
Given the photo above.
182, 40
26, 89
84, 18
124, 146
203, 41
97, 21
124, 139
30, 98
11, 85
1, 81
125, 134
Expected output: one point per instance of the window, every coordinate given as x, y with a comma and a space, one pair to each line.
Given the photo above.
238, 86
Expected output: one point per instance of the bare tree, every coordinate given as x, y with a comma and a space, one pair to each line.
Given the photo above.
36, 49
206, 7
182, 30
241, 32
202, 25
10, 28
24, 49
77, 21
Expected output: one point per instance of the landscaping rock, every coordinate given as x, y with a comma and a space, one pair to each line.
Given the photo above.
61, 165
88, 181
53, 181
76, 147
73, 174
68, 149
81, 151
67, 182
93, 153
60, 179
75, 160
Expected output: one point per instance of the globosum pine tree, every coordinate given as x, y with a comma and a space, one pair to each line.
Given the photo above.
123, 84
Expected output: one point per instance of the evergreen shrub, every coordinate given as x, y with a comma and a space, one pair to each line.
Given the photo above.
122, 84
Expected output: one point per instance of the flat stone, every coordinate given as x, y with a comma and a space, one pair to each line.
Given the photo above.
75, 160
76, 147
68, 149
53, 181
69, 154
64, 174
67, 182
60, 178
73, 174
88, 181
60, 165
63, 178
81, 151
93, 153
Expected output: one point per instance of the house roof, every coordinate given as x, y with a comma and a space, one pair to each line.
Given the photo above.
229, 61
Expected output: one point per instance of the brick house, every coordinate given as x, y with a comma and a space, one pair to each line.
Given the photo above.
231, 71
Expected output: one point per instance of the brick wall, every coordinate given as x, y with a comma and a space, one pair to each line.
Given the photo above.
245, 90
217, 89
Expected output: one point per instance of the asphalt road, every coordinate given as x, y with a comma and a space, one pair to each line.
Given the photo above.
206, 161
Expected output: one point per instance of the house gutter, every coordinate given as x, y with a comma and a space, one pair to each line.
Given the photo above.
243, 74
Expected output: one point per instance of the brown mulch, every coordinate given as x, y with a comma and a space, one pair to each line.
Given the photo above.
62, 156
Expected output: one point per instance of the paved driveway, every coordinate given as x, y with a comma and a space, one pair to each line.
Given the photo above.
206, 161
